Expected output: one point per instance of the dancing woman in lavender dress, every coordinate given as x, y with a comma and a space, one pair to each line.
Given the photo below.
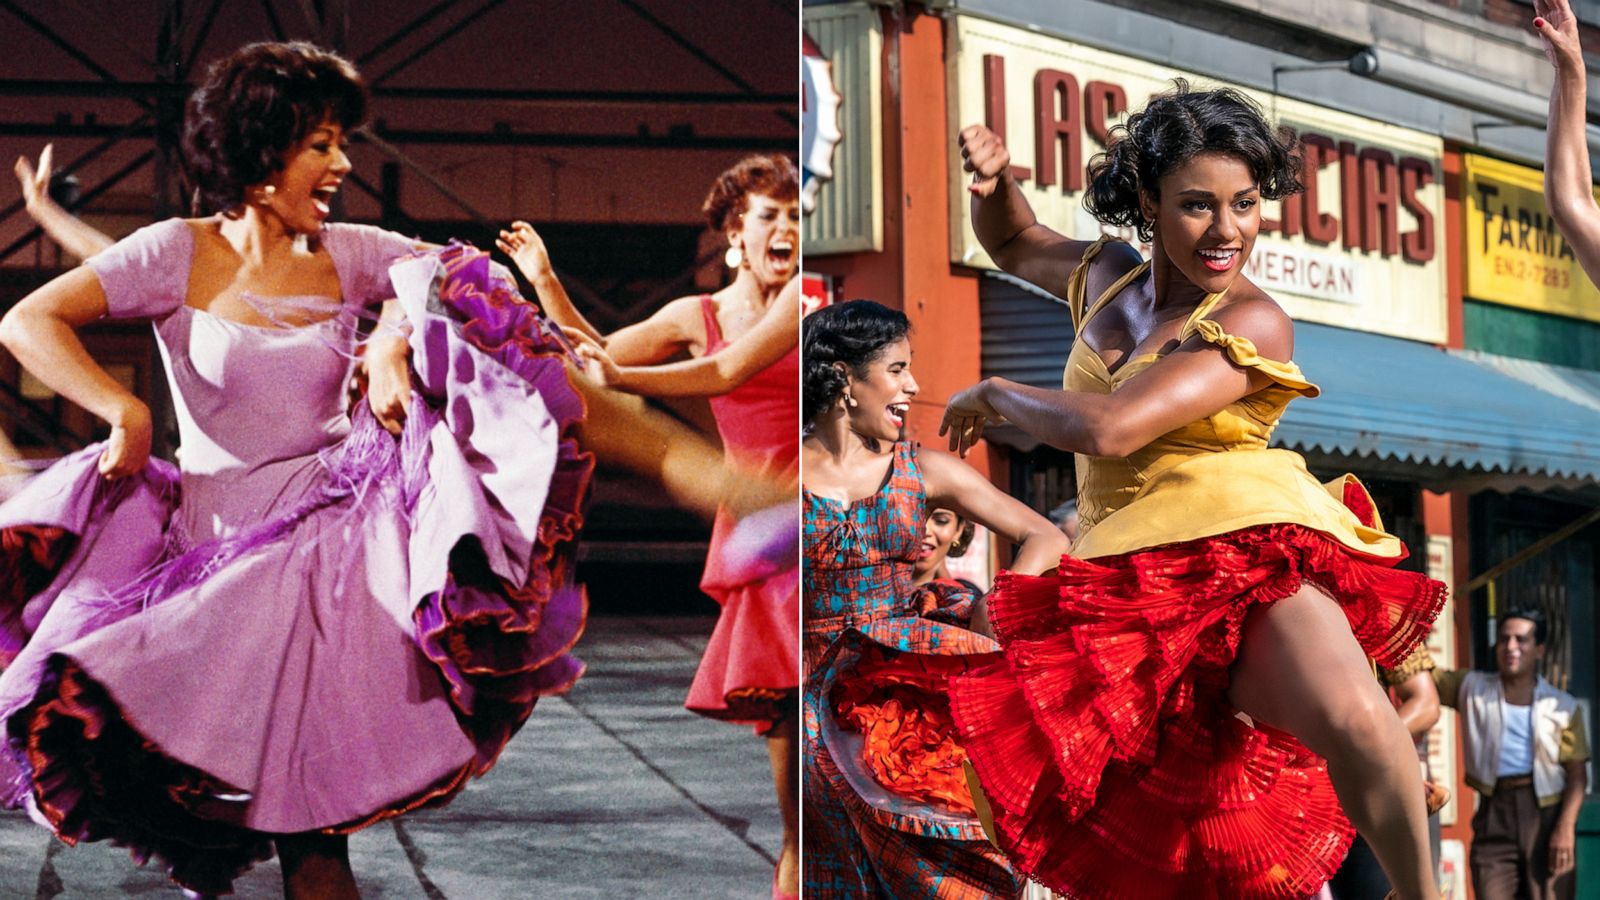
314, 623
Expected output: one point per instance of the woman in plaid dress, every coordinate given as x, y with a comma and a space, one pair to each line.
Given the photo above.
887, 810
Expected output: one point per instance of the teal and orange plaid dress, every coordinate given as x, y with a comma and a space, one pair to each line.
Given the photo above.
887, 811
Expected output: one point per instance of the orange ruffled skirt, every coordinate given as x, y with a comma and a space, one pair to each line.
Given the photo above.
1116, 768
898, 705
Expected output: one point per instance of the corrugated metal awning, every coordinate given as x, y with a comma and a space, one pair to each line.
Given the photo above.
1415, 403
1580, 386
1438, 416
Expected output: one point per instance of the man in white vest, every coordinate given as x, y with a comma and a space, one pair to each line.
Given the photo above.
1526, 746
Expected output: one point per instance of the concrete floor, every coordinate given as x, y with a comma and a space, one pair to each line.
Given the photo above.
611, 791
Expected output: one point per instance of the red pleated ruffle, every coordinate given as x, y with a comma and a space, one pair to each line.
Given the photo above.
1104, 741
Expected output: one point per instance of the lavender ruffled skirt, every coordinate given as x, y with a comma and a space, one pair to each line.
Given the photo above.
360, 655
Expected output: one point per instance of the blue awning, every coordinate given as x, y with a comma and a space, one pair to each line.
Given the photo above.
1400, 400
1396, 406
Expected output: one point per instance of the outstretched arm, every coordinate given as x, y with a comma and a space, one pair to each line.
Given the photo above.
527, 250
952, 484
1568, 180
41, 332
709, 376
1005, 223
79, 239
1193, 382
668, 331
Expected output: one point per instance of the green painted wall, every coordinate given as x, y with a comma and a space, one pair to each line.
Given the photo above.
1588, 849
1525, 334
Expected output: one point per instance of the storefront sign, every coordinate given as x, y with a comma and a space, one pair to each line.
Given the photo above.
1360, 248
816, 291
1515, 255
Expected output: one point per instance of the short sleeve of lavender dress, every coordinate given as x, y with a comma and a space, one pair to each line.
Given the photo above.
363, 254
146, 274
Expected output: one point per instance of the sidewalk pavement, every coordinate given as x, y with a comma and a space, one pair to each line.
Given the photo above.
611, 791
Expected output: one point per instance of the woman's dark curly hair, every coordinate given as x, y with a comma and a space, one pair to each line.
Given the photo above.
773, 176
1171, 130
253, 107
853, 333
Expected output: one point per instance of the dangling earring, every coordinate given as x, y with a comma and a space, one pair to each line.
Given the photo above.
849, 401
734, 257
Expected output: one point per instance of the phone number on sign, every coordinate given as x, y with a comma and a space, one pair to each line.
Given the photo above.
1522, 270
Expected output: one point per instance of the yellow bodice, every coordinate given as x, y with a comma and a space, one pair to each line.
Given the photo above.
1211, 476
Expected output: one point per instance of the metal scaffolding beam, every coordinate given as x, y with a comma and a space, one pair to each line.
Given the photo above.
273, 21
673, 139
405, 31
199, 41
42, 87
88, 156
437, 42
50, 35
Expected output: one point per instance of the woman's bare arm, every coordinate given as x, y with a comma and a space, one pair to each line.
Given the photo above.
1568, 180
76, 236
526, 249
41, 332
1194, 381
952, 484
709, 376
1005, 223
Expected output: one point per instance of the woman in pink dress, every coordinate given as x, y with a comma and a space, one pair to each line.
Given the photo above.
313, 623
743, 341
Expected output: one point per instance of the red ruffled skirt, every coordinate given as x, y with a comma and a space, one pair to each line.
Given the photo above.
1104, 741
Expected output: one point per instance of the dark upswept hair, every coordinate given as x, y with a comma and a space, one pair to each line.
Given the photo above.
773, 175
253, 106
1541, 626
1172, 129
853, 333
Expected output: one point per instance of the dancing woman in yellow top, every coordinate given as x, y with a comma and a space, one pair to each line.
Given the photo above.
1214, 577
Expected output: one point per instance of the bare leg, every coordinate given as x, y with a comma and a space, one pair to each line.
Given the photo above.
622, 430
786, 778
316, 867
1300, 669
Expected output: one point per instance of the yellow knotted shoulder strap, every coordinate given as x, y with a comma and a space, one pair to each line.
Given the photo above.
1243, 353
1078, 281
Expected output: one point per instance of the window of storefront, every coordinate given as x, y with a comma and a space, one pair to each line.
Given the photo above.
1561, 581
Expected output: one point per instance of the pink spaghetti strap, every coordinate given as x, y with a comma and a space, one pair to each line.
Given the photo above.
708, 308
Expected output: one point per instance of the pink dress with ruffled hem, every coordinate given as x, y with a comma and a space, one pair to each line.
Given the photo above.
310, 625
750, 673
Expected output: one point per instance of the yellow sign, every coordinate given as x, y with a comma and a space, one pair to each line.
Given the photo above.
1362, 248
1515, 255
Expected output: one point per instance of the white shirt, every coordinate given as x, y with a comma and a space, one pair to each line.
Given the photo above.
1516, 747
